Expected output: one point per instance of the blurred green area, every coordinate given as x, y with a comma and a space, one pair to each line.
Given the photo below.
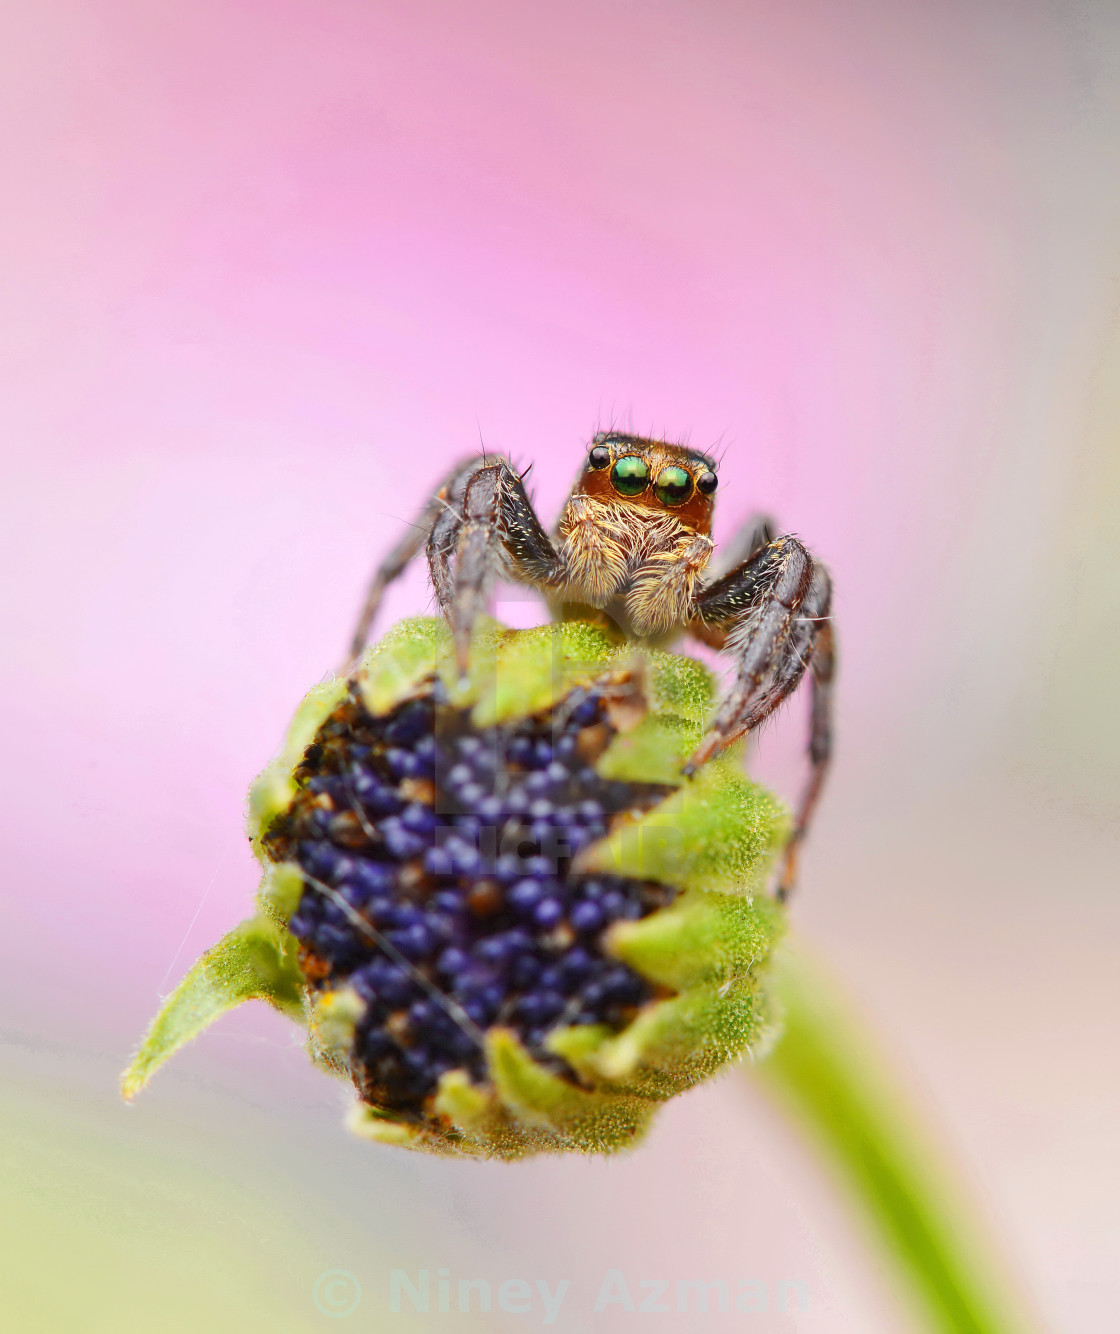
116, 1221
826, 1073
107, 1227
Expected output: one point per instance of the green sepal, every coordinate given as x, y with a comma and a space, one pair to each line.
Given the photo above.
676, 1043
280, 891
332, 1021
257, 960
720, 831
512, 673
370, 1123
680, 685
525, 1109
272, 791
532, 669
471, 1121
679, 693
517, 673
487, 639
421, 647
578, 1043
461, 1102
652, 752
406, 655
567, 1116
701, 937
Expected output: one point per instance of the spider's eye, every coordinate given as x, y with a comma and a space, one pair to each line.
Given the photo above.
630, 476
707, 482
674, 486
599, 457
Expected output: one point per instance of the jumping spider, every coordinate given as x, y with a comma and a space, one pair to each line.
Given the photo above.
634, 541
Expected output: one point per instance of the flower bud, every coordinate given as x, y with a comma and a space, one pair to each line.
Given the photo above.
495, 904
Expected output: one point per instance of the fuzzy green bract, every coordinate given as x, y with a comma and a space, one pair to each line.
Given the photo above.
255, 961
706, 954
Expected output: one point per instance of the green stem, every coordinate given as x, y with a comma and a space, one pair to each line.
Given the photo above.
823, 1070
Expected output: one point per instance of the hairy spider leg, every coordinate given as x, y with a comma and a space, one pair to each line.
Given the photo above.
772, 614
494, 532
397, 561
758, 532
754, 606
822, 666
478, 524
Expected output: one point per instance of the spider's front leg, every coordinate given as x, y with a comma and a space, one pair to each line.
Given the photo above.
487, 528
400, 557
477, 523
772, 613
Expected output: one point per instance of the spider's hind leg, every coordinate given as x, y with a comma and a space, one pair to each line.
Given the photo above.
822, 669
772, 614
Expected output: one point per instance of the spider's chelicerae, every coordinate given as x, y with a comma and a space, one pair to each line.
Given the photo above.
634, 540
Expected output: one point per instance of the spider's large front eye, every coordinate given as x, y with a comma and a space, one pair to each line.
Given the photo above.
630, 476
674, 486
599, 457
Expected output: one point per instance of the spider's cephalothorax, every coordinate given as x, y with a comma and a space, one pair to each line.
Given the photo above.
634, 535
634, 540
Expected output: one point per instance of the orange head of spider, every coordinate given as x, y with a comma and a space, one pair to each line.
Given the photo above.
653, 475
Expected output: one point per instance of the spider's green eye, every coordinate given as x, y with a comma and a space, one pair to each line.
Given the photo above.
674, 486
630, 476
599, 457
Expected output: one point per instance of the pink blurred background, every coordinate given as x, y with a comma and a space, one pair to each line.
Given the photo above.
265, 270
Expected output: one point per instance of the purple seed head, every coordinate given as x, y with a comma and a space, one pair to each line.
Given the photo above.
450, 905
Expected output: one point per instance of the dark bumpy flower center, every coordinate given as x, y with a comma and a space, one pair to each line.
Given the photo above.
438, 884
